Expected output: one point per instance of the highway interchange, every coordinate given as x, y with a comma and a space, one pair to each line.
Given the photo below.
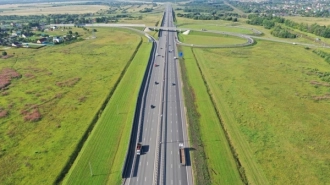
162, 126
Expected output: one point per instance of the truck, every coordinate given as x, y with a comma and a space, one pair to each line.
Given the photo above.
139, 149
182, 154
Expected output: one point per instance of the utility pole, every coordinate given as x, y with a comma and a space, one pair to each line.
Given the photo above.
90, 168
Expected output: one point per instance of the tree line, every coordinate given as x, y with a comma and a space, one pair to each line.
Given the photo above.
269, 22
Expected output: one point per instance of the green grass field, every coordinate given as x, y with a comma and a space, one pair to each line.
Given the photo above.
310, 20
147, 19
221, 26
47, 8
270, 107
205, 38
106, 147
244, 28
67, 84
221, 165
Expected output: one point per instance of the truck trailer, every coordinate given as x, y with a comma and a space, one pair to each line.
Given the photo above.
182, 154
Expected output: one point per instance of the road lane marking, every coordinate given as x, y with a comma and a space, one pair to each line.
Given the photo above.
145, 178
147, 163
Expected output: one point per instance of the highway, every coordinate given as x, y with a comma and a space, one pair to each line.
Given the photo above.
163, 124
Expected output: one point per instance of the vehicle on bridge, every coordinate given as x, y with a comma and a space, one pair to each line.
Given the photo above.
139, 149
152, 106
182, 154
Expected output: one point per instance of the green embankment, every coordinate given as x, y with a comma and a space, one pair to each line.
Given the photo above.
105, 149
206, 134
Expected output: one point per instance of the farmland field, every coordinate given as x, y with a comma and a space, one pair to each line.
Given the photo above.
147, 19
310, 20
218, 157
274, 108
205, 38
106, 147
45, 9
37, 135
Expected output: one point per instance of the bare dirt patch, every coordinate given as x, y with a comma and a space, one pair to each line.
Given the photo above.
3, 113
7, 56
6, 75
32, 115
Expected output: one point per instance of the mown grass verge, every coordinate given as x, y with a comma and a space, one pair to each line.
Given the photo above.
106, 146
213, 161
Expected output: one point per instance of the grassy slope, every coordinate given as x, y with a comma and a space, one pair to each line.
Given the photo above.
205, 38
221, 164
266, 101
35, 153
106, 147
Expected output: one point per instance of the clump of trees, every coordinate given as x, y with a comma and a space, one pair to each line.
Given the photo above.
267, 22
146, 10
278, 31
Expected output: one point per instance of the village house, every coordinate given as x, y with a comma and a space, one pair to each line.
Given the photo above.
16, 44
41, 40
57, 39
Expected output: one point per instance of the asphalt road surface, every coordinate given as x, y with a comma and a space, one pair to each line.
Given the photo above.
163, 124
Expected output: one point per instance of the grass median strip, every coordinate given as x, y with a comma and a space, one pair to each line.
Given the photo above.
102, 157
213, 161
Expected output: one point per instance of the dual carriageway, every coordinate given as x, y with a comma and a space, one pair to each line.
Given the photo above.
161, 121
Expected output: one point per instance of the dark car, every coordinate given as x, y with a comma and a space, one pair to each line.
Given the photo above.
152, 106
